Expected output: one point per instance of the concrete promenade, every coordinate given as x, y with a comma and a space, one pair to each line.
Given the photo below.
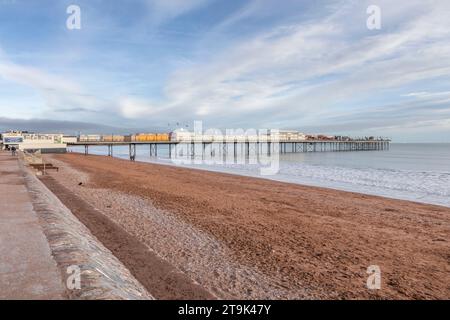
27, 269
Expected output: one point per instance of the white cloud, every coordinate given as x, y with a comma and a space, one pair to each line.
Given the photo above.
57, 91
163, 10
35, 78
303, 69
133, 108
425, 94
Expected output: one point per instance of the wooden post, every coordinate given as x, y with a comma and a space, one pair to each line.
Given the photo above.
132, 152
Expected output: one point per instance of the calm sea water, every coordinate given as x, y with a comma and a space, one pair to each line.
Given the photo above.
418, 172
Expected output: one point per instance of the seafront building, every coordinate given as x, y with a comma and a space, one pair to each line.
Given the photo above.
238, 135
25, 141
290, 135
69, 139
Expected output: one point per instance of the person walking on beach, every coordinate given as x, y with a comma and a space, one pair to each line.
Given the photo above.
13, 151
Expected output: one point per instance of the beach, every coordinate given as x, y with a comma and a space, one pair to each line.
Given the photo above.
219, 235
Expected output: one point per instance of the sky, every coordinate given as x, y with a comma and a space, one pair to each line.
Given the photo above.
154, 65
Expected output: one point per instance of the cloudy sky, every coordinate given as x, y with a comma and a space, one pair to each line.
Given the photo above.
291, 64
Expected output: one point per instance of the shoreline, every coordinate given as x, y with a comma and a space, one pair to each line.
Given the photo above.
342, 188
332, 185
295, 241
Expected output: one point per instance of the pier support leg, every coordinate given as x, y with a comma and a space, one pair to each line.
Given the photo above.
110, 150
132, 152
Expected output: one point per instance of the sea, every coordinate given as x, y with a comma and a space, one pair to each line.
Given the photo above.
410, 171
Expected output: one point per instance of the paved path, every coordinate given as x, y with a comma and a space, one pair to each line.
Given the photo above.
27, 269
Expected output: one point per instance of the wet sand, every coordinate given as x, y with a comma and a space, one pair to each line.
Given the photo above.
241, 237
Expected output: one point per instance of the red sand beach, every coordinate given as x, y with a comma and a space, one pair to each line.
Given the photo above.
201, 234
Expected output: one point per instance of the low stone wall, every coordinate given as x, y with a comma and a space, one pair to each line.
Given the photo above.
73, 246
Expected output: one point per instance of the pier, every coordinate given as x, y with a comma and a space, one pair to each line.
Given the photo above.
197, 148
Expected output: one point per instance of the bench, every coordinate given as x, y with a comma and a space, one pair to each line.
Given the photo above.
46, 166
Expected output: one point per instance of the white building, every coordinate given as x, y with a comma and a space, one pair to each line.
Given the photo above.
289, 135
237, 136
69, 139
47, 143
11, 139
181, 135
